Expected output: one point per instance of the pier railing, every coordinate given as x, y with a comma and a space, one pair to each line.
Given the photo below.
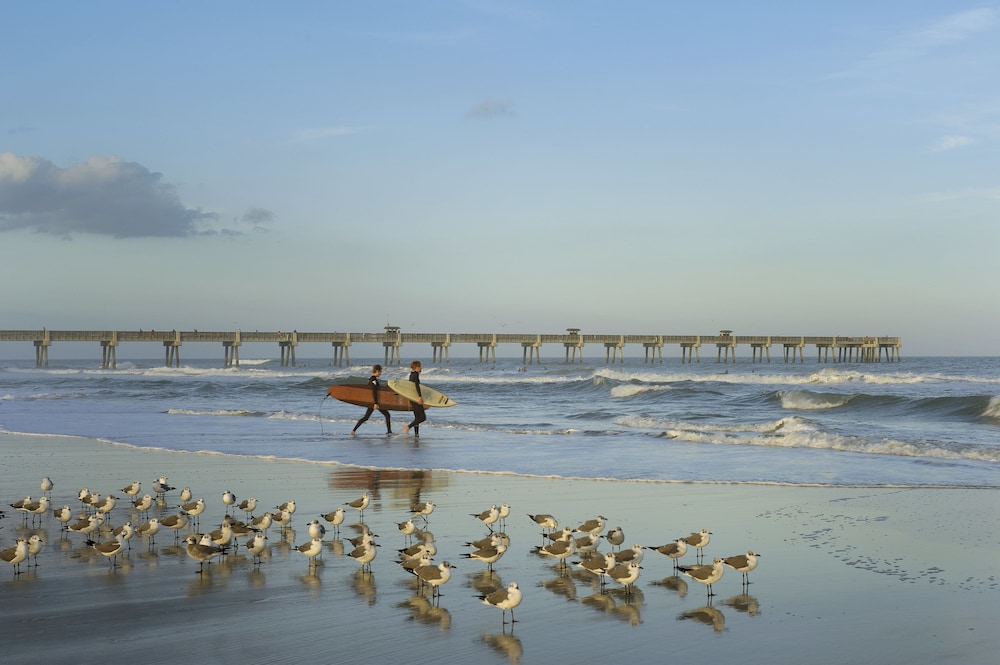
835, 348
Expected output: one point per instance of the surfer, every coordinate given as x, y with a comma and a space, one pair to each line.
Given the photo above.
419, 415
374, 383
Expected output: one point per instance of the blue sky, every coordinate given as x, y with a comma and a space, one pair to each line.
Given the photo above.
639, 167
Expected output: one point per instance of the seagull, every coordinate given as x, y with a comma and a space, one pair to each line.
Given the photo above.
257, 545
149, 529
132, 489
15, 555
615, 537
161, 486
360, 503
287, 505
406, 528
560, 549
597, 565
175, 522
282, 519
505, 599
143, 504
424, 510
316, 529
674, 550
335, 517
36, 508
311, 549
409, 564
743, 563
263, 523
63, 515
106, 505
82, 495
229, 499
85, 526
248, 506
626, 575
588, 543
488, 555
126, 531
698, 540
632, 554
186, 495
222, 536
706, 574
595, 525
111, 549
546, 521
435, 576
364, 555
194, 508
504, 509
47, 486
488, 516
201, 553
34, 547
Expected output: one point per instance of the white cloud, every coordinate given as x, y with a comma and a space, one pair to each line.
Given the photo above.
946, 31
103, 195
951, 142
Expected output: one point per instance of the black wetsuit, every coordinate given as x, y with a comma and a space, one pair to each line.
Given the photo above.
374, 383
419, 415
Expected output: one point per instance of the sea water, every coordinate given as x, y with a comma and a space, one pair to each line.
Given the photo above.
919, 422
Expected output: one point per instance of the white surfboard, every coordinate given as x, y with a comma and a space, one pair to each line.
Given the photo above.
408, 389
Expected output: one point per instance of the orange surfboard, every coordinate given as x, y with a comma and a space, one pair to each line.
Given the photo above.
359, 393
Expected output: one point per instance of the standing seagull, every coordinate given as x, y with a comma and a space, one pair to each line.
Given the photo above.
161, 486
311, 549
743, 563
434, 576
201, 553
615, 537
229, 499
132, 489
626, 575
34, 547
336, 518
15, 555
149, 530
364, 554
505, 599
257, 545
423, 510
706, 574
361, 503
698, 540
593, 526
111, 549
488, 555
47, 486
248, 506
488, 516
674, 550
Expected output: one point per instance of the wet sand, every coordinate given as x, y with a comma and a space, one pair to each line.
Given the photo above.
846, 575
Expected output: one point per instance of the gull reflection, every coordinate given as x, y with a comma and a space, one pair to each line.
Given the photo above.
674, 583
422, 610
707, 615
364, 586
506, 644
561, 585
744, 603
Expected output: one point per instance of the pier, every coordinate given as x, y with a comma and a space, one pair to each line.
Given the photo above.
838, 349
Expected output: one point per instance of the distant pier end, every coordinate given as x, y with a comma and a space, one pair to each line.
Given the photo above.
838, 349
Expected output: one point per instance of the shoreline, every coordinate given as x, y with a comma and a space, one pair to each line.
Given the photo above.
512, 474
846, 574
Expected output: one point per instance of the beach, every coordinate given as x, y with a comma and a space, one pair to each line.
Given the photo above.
846, 574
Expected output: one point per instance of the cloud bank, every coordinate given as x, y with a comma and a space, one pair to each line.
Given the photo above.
103, 195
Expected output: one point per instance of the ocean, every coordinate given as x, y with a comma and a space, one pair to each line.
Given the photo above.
922, 422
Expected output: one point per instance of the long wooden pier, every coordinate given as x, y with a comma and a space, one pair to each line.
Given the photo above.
864, 349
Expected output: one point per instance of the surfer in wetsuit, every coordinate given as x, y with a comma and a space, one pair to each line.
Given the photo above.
374, 383
419, 415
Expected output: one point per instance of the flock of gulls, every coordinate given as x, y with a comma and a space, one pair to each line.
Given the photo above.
578, 546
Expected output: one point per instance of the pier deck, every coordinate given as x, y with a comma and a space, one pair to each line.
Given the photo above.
835, 348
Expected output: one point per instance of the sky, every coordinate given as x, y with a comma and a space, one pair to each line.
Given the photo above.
647, 167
